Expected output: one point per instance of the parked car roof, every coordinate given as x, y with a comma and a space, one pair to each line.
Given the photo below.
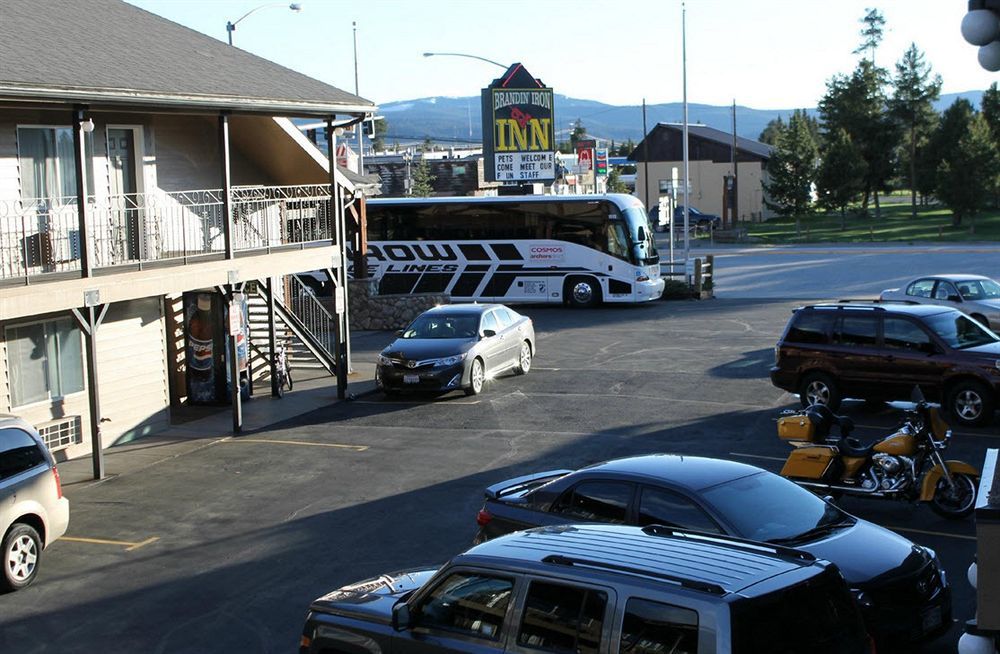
690, 472
717, 564
463, 308
912, 309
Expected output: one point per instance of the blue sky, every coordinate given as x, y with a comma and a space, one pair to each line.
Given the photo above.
762, 53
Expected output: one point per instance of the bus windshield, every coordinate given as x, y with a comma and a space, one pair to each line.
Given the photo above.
644, 253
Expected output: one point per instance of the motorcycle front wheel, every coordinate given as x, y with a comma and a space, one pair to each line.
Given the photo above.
954, 503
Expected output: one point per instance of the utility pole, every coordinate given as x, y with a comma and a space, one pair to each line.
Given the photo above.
360, 126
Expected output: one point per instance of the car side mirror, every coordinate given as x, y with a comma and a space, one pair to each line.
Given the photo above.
401, 616
954, 298
488, 333
917, 396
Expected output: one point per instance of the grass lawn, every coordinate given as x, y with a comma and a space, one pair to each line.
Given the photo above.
932, 224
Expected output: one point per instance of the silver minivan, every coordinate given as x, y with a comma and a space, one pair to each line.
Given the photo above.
33, 511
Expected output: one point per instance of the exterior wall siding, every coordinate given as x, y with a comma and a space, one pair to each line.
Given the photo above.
706, 186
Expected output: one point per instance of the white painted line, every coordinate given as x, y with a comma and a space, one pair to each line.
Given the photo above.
240, 439
128, 545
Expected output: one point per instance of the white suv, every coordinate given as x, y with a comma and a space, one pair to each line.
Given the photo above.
33, 511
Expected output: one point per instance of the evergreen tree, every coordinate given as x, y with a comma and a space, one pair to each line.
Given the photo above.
770, 134
615, 183
857, 103
967, 171
792, 170
871, 33
991, 112
840, 178
579, 132
913, 94
422, 179
952, 124
381, 129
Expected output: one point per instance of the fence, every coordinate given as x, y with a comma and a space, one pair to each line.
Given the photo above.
40, 236
702, 273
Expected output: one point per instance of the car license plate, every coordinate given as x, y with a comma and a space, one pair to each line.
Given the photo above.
411, 379
932, 618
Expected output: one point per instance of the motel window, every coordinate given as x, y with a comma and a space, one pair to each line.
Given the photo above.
48, 168
44, 361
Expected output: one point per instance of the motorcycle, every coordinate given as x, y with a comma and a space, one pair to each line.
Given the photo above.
907, 464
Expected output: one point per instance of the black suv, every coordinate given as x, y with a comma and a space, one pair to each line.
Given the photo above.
881, 351
590, 589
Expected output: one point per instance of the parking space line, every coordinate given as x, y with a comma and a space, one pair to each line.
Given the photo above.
759, 456
240, 439
427, 402
128, 545
931, 533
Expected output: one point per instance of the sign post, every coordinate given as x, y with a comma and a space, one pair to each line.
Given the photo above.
519, 141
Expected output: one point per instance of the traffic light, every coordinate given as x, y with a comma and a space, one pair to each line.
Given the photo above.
981, 26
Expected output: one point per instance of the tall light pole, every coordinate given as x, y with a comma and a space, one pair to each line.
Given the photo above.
469, 56
231, 26
360, 126
687, 172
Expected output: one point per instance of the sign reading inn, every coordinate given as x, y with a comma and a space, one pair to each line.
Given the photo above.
518, 128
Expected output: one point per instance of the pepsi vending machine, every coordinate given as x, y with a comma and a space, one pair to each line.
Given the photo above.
206, 324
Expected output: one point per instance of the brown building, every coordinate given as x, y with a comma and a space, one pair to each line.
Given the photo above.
710, 157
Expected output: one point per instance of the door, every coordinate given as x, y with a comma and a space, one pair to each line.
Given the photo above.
563, 618
856, 356
509, 338
912, 357
464, 613
126, 225
493, 346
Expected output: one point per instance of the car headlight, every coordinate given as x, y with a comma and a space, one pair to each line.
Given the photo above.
384, 360
450, 361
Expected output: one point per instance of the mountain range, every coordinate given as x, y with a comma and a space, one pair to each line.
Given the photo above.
457, 120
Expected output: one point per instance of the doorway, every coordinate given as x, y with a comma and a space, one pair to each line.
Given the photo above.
126, 233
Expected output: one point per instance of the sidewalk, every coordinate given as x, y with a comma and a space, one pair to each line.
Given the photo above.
194, 428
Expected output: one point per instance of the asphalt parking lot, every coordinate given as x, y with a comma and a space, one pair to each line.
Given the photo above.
219, 544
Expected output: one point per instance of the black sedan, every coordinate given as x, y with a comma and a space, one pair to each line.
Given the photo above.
900, 587
457, 346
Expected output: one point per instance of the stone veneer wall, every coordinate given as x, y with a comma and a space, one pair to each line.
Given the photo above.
369, 310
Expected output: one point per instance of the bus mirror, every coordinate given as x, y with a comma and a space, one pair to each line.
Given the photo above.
641, 235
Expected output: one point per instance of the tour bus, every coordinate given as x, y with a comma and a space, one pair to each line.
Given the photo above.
579, 249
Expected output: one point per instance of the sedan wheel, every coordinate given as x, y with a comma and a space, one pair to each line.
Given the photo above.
21, 552
477, 378
524, 360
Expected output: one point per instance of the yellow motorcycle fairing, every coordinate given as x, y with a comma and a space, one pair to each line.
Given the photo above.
935, 473
898, 444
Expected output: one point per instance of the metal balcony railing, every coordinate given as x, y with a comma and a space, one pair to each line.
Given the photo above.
41, 236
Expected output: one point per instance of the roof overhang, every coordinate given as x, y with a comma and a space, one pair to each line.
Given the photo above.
137, 99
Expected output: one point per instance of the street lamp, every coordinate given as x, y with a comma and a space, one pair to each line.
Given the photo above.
459, 54
231, 26
981, 26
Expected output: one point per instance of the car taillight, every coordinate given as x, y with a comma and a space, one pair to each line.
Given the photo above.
55, 473
483, 517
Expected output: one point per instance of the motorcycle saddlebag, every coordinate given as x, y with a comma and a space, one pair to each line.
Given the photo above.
797, 427
809, 462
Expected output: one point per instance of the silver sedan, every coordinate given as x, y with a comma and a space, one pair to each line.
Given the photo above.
974, 295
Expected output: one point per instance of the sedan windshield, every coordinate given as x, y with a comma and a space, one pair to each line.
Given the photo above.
443, 326
958, 331
979, 289
770, 508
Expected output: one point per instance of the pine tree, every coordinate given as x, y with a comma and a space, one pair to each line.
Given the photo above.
422, 179
951, 125
967, 171
991, 112
615, 183
913, 94
840, 178
771, 131
857, 103
792, 170
871, 33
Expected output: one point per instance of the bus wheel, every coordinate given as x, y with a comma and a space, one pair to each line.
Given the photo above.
582, 292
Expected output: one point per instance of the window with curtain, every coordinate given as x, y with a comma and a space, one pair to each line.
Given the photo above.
45, 361
48, 170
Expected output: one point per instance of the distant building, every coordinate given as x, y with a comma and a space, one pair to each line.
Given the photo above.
455, 173
710, 155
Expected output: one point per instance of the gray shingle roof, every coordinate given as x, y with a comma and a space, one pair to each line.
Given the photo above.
107, 51
710, 133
